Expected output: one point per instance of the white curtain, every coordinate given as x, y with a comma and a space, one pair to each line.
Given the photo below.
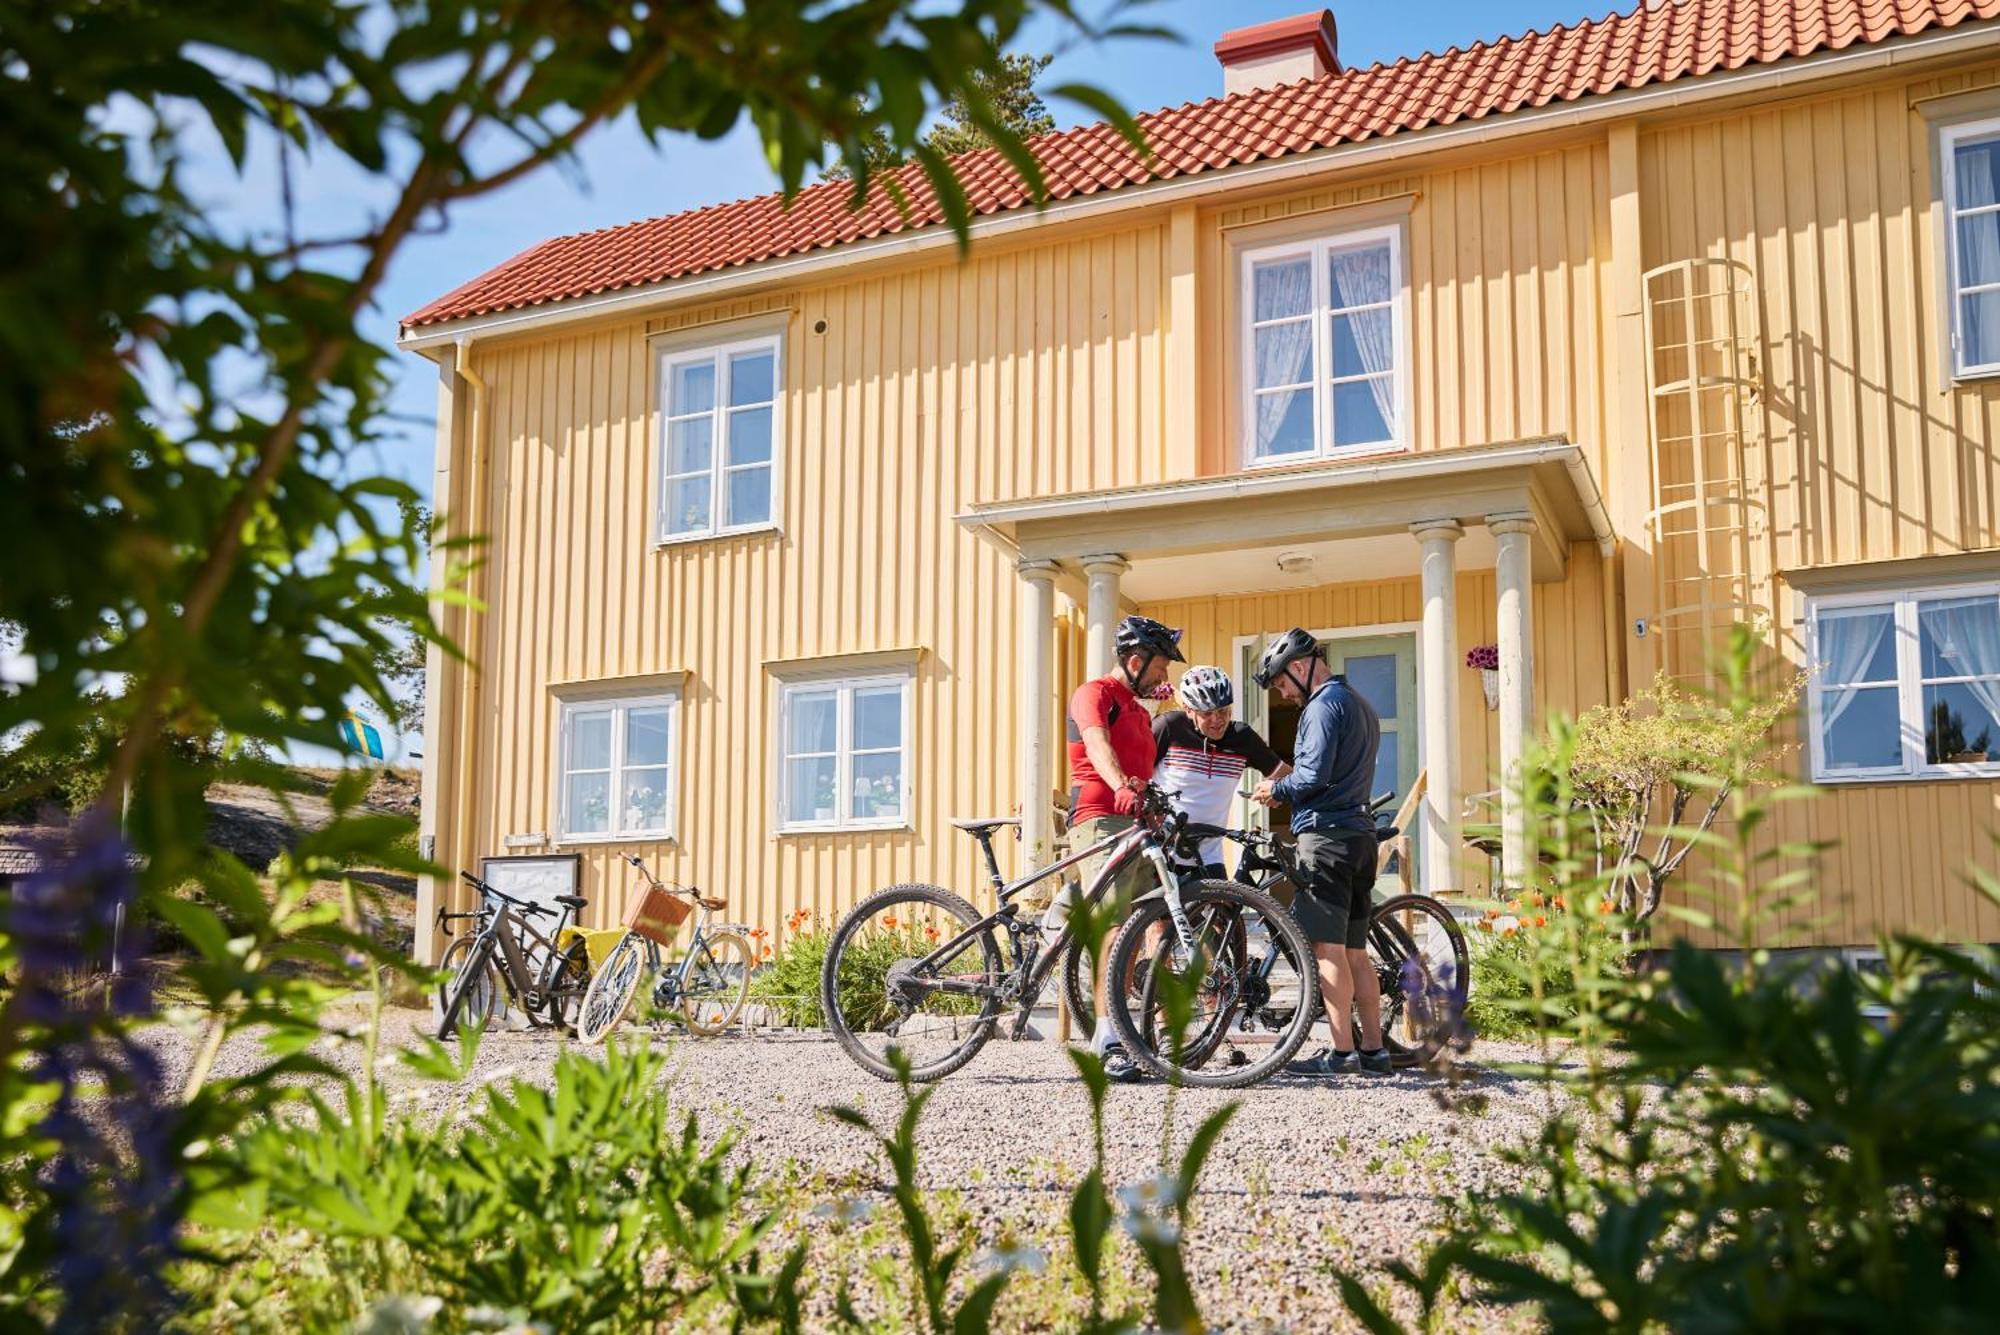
1281, 349
1978, 240
1967, 634
1361, 277
1847, 645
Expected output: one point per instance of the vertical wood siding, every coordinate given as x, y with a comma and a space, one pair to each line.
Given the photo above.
1861, 446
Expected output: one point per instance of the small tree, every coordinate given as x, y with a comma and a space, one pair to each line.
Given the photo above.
1665, 747
1006, 94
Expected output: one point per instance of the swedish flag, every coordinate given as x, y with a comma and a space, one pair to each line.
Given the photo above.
357, 734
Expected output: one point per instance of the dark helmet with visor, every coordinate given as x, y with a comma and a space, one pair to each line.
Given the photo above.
1294, 645
1143, 635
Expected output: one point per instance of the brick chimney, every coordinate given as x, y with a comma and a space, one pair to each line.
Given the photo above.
1304, 46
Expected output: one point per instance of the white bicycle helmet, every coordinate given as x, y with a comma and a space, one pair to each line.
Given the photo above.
1207, 688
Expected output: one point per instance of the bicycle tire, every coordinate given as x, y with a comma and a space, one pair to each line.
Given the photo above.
448, 966
567, 986
1196, 895
846, 935
1076, 991
1389, 946
1197, 1053
476, 984
612, 987
736, 993
1437, 935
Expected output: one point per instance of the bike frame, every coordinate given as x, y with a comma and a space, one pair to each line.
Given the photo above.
1031, 972
516, 973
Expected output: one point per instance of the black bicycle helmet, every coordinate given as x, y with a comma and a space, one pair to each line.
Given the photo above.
1284, 651
1143, 635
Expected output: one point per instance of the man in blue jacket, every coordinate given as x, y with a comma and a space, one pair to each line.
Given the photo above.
1332, 779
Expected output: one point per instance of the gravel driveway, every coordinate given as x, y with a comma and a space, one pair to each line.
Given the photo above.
1311, 1174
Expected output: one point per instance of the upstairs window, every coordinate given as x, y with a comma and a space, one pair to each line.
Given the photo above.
1906, 685
720, 426
1325, 370
1971, 162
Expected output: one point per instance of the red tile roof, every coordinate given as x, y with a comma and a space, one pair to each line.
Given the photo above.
1654, 43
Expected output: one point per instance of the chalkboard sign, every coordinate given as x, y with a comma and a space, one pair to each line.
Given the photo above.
537, 879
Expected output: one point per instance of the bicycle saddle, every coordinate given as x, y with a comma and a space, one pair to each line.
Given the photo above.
713, 903
571, 901
985, 823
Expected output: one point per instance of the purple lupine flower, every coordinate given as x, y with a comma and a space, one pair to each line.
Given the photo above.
1437, 1009
113, 1185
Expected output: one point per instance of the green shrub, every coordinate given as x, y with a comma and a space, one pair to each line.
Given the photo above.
790, 982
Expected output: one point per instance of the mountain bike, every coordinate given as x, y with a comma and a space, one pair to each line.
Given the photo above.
455, 952
708, 988
1404, 929
511, 963
917, 967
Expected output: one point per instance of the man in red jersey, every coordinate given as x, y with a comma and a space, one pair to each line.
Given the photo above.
1111, 753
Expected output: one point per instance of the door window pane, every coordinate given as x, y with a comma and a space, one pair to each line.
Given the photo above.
809, 788
1860, 728
1374, 677
587, 807
1388, 778
749, 496
1962, 723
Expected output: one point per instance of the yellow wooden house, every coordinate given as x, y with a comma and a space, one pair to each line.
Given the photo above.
1588, 343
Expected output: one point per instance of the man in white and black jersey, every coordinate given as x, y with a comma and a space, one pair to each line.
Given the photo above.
1201, 753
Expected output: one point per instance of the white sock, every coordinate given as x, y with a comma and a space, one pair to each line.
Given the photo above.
1104, 1036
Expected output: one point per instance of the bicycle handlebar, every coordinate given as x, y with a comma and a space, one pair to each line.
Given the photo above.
524, 905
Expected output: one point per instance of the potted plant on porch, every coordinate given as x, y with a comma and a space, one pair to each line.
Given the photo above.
1486, 658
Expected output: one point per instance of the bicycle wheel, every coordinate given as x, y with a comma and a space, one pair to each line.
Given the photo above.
1078, 971
1438, 937
1244, 949
611, 989
476, 991
1400, 967
448, 965
718, 983
885, 982
572, 979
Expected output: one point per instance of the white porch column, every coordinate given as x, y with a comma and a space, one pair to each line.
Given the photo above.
1437, 675
1101, 614
1038, 686
1513, 534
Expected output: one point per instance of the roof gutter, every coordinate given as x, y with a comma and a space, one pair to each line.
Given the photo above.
1685, 92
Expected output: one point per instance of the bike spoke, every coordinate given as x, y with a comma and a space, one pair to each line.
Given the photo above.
888, 986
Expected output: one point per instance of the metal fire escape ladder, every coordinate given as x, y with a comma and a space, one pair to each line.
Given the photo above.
1708, 515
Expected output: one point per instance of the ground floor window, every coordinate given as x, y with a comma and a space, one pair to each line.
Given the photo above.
845, 753
1906, 684
617, 768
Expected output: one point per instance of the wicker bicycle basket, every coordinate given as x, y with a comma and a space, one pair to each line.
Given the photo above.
654, 913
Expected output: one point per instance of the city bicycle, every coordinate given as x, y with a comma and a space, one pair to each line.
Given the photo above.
709, 987
511, 963
916, 967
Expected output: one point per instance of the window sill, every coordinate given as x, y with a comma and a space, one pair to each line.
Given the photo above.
1975, 374
897, 826
1949, 774
586, 840
717, 535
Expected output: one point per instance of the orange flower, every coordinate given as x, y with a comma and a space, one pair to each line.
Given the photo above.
1508, 931
1485, 926
931, 932
1604, 906
1492, 914
889, 921
1540, 921
1557, 901
766, 955
1534, 900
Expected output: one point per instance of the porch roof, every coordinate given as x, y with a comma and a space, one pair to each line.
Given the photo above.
1547, 478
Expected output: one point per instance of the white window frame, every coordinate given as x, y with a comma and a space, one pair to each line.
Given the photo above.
844, 689
1910, 683
617, 707
671, 356
1949, 139
1317, 249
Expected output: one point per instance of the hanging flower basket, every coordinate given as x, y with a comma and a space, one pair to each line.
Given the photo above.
1485, 658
